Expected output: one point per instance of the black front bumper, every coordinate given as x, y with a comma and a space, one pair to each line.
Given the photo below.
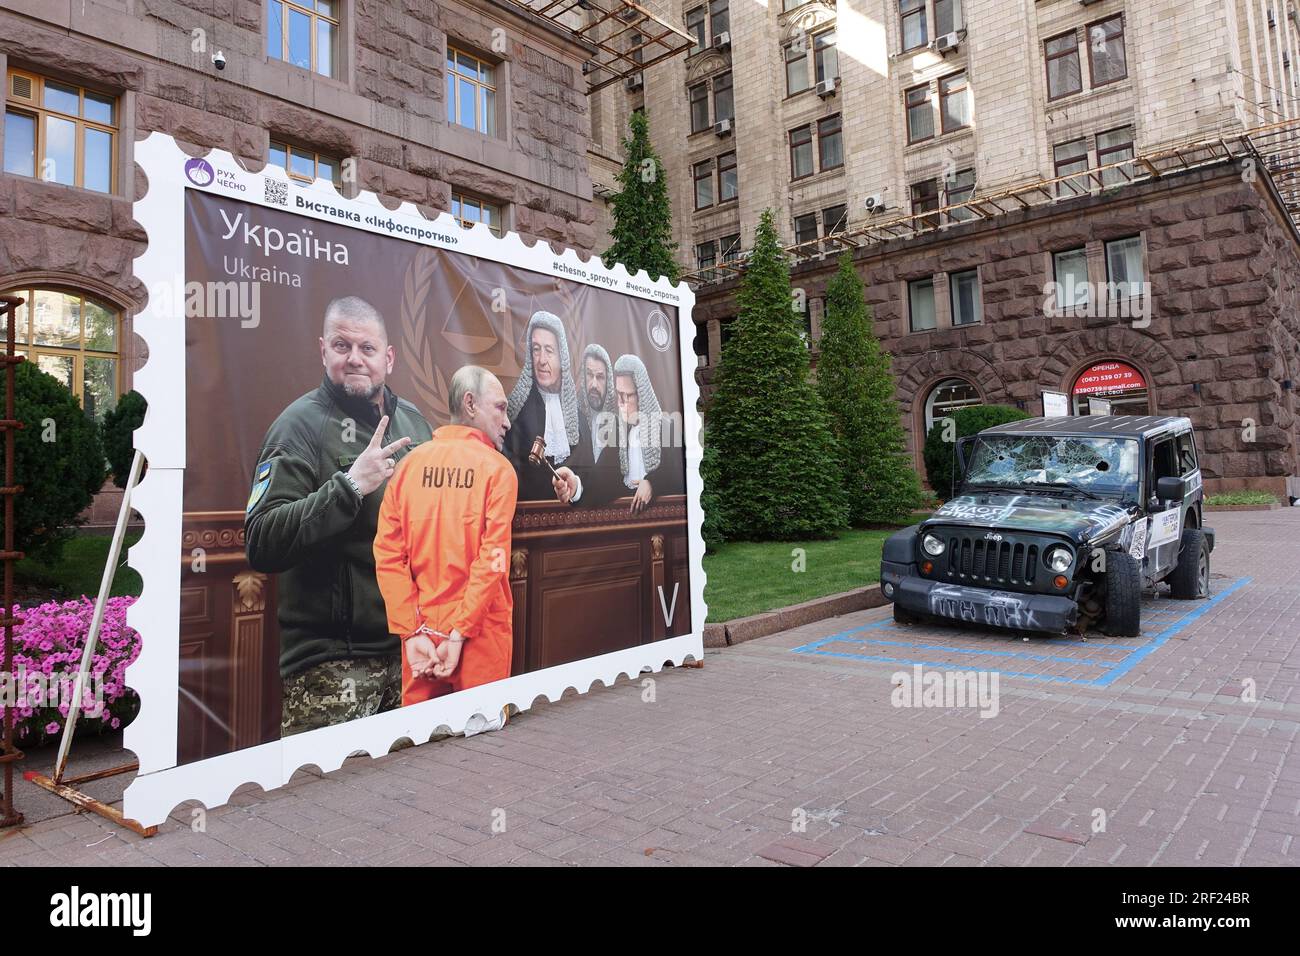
955, 602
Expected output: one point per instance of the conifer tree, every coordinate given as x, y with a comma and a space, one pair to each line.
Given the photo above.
857, 387
643, 222
777, 460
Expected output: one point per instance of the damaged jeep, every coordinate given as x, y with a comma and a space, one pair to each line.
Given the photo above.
1058, 525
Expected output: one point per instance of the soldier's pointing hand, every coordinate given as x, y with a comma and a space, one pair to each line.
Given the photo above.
375, 465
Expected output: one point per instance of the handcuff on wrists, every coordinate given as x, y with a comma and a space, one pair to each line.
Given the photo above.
426, 629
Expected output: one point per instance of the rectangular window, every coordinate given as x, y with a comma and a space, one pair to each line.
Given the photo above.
1064, 75
695, 27
920, 114
1186, 453
960, 188
805, 227
801, 152
796, 67
304, 33
706, 255
699, 107
1070, 269
1115, 146
703, 176
964, 292
1067, 158
912, 15
954, 102
835, 219
719, 17
1124, 267
471, 92
925, 198
1106, 58
469, 209
728, 186
920, 304
59, 133
304, 165
947, 17
825, 56
830, 144
724, 104
730, 247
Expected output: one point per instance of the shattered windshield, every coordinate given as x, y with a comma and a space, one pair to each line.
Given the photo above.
1107, 466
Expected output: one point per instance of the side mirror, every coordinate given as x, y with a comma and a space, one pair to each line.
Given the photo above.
1171, 489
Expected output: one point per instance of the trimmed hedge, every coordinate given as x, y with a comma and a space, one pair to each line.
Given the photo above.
941, 456
118, 430
58, 459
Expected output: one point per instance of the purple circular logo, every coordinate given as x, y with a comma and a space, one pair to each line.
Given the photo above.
199, 172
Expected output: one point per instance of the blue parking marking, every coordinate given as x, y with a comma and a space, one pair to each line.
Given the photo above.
1170, 620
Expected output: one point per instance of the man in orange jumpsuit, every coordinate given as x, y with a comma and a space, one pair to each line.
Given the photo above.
442, 551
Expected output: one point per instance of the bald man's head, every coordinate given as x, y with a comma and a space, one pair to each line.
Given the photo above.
354, 348
477, 400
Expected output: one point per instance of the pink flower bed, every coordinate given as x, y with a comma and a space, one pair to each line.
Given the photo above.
47, 654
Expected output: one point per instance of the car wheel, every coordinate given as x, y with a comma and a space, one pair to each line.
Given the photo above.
1190, 579
1123, 595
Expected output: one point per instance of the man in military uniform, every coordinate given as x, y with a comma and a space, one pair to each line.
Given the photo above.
311, 518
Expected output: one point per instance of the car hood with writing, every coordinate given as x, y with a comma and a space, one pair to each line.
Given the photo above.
1077, 518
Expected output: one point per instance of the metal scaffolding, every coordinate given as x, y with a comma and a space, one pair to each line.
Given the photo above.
1273, 150
626, 37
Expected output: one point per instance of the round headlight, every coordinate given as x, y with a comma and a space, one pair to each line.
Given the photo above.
1059, 558
933, 545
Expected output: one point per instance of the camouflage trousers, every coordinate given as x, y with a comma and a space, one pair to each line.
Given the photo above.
334, 692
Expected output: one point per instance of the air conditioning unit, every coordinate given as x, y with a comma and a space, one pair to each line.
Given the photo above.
635, 81
722, 40
722, 127
875, 203
827, 87
1271, 22
949, 41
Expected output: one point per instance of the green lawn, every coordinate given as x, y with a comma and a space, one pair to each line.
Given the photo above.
1249, 497
747, 577
80, 568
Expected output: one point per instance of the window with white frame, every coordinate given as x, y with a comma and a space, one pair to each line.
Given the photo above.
1070, 272
920, 304
964, 297
1124, 272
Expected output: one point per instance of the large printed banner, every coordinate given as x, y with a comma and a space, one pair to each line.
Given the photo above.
403, 478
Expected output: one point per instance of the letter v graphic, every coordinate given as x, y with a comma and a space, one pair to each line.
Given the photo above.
668, 611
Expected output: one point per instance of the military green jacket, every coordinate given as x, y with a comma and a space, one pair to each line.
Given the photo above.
305, 523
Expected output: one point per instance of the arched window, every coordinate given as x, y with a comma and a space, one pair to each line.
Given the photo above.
948, 396
77, 339
1118, 382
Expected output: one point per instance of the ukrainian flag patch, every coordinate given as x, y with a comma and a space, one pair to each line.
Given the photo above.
261, 481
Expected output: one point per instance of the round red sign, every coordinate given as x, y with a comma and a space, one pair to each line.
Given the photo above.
1106, 377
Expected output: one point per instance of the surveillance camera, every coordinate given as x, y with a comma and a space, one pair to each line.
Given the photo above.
219, 60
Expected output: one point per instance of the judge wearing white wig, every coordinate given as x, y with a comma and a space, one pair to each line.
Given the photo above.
544, 402
646, 469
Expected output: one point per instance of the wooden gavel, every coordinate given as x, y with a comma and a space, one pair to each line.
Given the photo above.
537, 455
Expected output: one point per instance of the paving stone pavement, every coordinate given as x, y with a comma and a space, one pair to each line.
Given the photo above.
774, 754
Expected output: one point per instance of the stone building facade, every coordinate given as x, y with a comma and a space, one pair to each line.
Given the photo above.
1220, 342
843, 113
353, 90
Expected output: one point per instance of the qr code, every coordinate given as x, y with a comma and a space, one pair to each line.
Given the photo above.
276, 192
